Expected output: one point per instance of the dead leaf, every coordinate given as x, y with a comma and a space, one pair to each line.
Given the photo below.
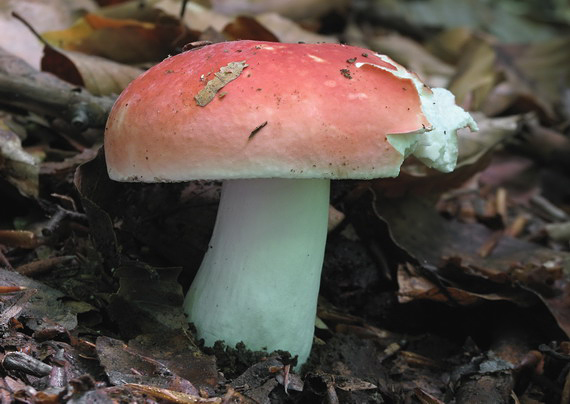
454, 255
174, 397
289, 31
413, 285
449, 45
476, 74
45, 308
420, 17
96, 189
125, 41
98, 75
457, 240
243, 27
124, 366
537, 72
258, 381
148, 299
180, 355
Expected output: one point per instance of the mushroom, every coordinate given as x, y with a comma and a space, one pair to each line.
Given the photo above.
276, 122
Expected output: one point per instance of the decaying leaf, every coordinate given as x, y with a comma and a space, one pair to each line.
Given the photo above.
413, 285
180, 355
148, 299
96, 189
289, 31
174, 397
98, 75
226, 74
537, 72
457, 240
495, 77
45, 308
125, 41
124, 364
455, 255
243, 27
497, 18
476, 74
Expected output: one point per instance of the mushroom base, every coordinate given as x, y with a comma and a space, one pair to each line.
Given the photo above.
259, 280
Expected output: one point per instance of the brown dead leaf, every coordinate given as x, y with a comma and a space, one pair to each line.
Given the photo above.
243, 27
289, 31
476, 74
413, 285
495, 78
174, 397
537, 72
449, 45
98, 75
180, 355
46, 308
514, 266
124, 364
125, 41
259, 380
457, 240
499, 19
95, 190
148, 299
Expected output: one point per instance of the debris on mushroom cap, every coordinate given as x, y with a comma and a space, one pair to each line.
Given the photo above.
223, 77
327, 112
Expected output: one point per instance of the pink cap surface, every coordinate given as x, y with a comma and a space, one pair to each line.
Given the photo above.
283, 110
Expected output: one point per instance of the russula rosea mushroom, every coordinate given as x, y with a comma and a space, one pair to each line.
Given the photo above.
276, 122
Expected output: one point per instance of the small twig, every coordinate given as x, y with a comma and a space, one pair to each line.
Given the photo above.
25, 363
489, 245
18, 238
80, 108
42, 266
517, 226
11, 289
549, 208
23, 86
30, 27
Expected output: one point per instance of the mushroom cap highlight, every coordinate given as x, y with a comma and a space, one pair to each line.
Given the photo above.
250, 109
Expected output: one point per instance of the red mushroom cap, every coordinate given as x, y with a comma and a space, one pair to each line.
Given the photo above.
249, 109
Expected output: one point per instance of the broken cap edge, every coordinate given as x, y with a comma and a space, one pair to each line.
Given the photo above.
435, 146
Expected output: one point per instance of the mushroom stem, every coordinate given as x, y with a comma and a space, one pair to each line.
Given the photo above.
259, 280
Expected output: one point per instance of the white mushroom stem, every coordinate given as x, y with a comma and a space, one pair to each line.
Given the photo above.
259, 280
